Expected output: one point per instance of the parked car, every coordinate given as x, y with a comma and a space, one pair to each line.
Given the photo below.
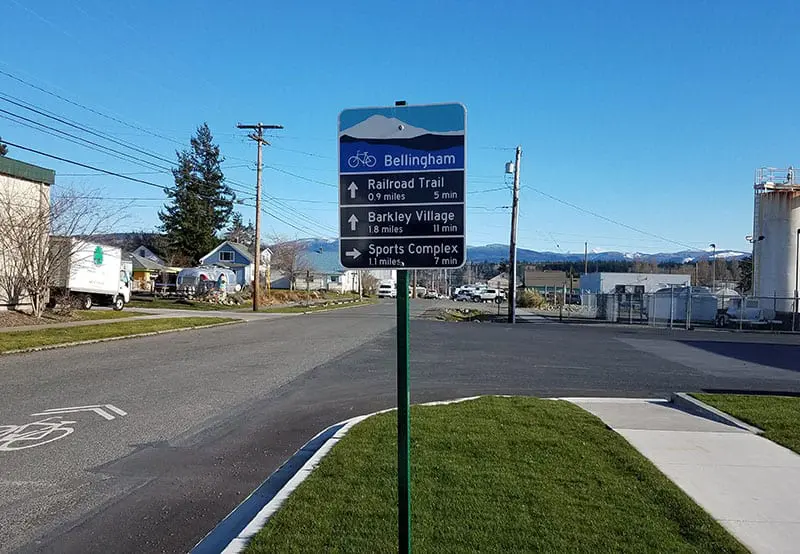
463, 296
487, 295
750, 315
387, 289
432, 295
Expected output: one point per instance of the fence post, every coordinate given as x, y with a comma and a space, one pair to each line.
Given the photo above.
689, 309
742, 311
630, 309
774, 308
671, 306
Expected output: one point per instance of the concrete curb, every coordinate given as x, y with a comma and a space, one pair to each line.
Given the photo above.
694, 406
232, 534
339, 307
109, 339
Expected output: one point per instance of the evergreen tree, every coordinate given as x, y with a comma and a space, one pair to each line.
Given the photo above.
241, 233
201, 202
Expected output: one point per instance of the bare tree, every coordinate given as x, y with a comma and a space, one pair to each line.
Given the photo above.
30, 260
289, 257
369, 283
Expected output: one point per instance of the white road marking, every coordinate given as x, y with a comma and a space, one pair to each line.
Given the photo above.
99, 409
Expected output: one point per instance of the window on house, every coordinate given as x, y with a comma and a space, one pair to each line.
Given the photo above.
226, 256
334, 279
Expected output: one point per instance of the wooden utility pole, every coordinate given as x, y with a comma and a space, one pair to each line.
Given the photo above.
512, 250
258, 136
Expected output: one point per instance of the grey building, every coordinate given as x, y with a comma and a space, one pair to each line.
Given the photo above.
636, 283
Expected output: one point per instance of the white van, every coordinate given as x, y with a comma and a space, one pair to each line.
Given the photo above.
387, 289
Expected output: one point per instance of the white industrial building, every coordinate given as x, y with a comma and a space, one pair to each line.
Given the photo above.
627, 283
776, 231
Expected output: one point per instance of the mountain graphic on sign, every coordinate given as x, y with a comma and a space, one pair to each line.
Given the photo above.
382, 127
379, 129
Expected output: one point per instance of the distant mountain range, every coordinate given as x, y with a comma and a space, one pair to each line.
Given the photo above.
495, 253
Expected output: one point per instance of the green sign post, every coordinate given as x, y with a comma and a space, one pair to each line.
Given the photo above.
402, 206
403, 419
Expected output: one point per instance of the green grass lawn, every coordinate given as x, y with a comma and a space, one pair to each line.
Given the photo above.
16, 340
778, 416
314, 307
492, 475
165, 303
96, 315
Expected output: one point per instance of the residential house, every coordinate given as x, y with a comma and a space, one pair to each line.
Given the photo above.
143, 252
24, 197
499, 281
149, 274
235, 257
545, 280
324, 273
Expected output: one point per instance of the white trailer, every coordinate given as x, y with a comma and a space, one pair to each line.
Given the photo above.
93, 273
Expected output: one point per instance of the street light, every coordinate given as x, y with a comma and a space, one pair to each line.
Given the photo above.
713, 266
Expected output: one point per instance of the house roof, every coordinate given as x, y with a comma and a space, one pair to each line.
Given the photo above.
29, 172
141, 263
240, 248
153, 254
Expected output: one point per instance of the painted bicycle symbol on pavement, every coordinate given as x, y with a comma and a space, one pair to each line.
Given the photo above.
51, 428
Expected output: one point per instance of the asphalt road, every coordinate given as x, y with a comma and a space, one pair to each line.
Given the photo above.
211, 413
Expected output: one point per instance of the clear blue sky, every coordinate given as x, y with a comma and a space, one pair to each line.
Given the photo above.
653, 114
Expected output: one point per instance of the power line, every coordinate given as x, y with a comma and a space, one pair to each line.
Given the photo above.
86, 166
127, 173
85, 129
608, 219
487, 190
309, 179
92, 110
310, 154
103, 149
298, 227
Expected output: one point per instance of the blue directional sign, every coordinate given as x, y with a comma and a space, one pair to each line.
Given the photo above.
402, 187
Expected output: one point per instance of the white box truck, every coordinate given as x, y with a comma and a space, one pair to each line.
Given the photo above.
91, 273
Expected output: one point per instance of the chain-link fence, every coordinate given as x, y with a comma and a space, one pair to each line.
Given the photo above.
689, 307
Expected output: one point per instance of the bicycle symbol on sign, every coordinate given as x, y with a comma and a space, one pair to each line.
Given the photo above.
19, 437
361, 158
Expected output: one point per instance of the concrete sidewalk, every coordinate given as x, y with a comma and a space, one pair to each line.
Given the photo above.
748, 483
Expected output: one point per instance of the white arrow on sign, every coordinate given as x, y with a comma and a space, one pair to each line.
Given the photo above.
353, 221
353, 253
352, 188
100, 409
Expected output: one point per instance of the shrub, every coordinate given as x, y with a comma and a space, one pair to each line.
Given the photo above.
530, 299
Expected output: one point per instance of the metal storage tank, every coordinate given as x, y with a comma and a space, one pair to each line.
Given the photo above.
778, 222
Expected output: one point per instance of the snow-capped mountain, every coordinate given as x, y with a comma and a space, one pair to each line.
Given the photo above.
495, 253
